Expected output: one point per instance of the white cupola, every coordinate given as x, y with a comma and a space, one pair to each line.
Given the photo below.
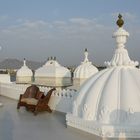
84, 71
24, 74
53, 74
108, 104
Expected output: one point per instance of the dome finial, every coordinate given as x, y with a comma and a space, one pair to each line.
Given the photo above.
86, 50
120, 21
86, 55
24, 62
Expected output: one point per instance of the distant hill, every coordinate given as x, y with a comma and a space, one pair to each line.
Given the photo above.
16, 64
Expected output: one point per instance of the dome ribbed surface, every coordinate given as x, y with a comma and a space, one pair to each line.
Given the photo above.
85, 71
110, 95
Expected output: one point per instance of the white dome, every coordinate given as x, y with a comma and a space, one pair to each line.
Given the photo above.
86, 69
111, 90
108, 104
52, 69
24, 71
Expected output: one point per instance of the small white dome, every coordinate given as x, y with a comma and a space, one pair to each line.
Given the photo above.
24, 70
108, 104
52, 69
86, 69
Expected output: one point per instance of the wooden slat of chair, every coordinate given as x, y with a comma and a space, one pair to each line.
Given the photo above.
43, 103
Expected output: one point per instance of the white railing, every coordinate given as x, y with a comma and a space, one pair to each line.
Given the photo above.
61, 99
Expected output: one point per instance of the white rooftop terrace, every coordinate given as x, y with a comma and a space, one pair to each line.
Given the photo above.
23, 125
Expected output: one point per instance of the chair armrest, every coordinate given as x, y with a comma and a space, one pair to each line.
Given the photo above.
41, 101
45, 99
39, 95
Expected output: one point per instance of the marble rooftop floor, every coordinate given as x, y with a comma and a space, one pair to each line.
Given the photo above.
23, 125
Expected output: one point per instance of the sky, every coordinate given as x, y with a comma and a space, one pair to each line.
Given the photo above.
38, 29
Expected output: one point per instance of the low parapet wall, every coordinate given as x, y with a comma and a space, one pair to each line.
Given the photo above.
5, 78
61, 99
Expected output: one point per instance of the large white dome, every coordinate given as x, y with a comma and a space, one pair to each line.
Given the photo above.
86, 69
52, 69
108, 104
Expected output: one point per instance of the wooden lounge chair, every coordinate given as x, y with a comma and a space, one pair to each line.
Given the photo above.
42, 104
34, 100
29, 94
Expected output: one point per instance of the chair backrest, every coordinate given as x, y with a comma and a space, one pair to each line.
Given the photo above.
31, 91
47, 97
39, 95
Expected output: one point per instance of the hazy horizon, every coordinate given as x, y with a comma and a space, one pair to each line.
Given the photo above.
36, 30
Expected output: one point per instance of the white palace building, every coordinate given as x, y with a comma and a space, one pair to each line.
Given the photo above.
108, 101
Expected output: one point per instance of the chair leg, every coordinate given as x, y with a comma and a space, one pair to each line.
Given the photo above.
18, 106
35, 113
49, 110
